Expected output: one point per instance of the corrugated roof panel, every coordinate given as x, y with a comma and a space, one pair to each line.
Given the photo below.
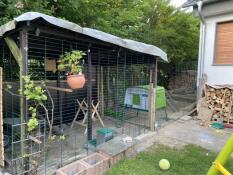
106, 37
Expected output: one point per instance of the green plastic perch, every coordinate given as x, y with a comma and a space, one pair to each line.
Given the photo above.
223, 156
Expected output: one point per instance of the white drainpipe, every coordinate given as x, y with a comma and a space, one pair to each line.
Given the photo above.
201, 50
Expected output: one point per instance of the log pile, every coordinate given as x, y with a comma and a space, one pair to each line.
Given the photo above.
219, 101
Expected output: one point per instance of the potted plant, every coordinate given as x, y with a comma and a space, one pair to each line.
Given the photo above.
71, 63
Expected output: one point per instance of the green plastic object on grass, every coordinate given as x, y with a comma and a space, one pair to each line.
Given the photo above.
217, 125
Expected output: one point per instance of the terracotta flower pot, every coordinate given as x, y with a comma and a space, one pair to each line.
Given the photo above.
76, 81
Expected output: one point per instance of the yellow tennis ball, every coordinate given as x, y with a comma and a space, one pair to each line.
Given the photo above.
164, 164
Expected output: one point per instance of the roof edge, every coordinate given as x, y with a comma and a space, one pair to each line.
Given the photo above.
102, 36
11, 25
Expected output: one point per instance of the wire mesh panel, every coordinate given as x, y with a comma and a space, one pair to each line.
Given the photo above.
113, 71
183, 76
121, 73
43, 54
8, 63
115, 96
32, 159
22, 154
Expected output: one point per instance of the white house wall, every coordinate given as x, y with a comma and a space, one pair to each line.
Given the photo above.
216, 75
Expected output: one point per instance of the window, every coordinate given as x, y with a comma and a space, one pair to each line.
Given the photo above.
224, 43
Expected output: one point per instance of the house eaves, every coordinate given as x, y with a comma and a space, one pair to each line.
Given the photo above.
190, 3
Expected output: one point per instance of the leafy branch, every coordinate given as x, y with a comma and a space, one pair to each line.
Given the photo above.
37, 95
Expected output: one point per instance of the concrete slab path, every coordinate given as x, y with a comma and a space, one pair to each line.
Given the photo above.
182, 132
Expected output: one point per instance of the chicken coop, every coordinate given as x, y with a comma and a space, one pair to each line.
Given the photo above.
32, 44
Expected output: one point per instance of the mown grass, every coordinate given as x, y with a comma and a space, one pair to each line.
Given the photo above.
191, 160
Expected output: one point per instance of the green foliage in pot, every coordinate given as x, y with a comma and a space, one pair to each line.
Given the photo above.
71, 62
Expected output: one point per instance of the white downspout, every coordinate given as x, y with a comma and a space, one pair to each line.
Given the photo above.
202, 46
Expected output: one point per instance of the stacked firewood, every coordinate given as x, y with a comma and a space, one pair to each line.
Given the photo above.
219, 101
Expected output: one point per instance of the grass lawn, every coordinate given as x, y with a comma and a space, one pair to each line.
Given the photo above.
191, 160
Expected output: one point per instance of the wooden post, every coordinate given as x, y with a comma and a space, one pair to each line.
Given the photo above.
151, 107
21, 58
102, 91
23, 103
1, 124
89, 96
152, 94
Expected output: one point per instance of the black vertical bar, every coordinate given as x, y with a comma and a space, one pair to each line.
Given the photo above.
59, 101
116, 89
89, 95
59, 95
123, 116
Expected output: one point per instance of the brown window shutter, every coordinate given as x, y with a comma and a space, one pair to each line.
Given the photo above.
224, 43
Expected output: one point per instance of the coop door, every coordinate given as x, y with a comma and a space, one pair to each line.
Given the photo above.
1, 124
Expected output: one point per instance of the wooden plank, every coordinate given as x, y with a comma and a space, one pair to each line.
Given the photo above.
1, 124
59, 89
14, 50
34, 139
50, 65
152, 102
152, 107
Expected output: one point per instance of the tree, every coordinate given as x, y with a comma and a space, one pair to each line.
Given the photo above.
151, 21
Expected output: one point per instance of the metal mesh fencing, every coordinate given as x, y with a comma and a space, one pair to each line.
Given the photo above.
118, 77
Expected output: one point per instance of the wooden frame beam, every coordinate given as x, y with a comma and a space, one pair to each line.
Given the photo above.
14, 50
21, 54
89, 95
152, 92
